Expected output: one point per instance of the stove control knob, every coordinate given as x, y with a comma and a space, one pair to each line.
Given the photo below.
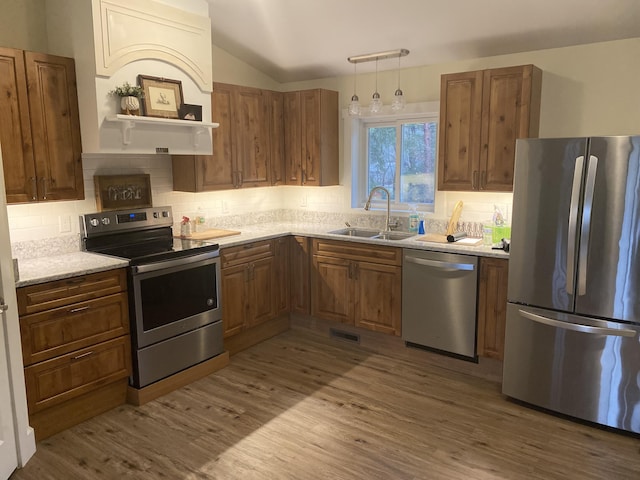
156, 215
94, 222
106, 221
165, 213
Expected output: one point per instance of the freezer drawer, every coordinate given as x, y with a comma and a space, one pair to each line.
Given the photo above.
439, 301
583, 367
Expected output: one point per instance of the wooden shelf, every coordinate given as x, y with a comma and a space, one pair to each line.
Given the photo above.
128, 123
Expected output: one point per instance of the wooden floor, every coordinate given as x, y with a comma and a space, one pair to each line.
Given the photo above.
302, 406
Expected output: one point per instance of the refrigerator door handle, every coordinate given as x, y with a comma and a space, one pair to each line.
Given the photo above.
578, 327
587, 207
573, 224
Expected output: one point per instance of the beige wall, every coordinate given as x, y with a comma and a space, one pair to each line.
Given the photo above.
22, 25
229, 69
586, 90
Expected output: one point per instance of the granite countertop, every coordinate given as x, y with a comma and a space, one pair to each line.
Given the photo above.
56, 267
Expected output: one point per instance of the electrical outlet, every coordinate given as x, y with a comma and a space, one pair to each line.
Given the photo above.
303, 201
64, 222
225, 206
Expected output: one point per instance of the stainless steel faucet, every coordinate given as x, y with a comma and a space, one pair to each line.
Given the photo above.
367, 206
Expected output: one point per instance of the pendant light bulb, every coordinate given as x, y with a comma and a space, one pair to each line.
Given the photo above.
354, 106
398, 97
376, 102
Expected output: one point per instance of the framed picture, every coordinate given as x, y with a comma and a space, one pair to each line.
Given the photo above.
115, 192
191, 112
162, 96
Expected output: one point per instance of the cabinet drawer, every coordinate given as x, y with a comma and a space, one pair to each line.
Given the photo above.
65, 329
62, 378
353, 251
45, 296
246, 253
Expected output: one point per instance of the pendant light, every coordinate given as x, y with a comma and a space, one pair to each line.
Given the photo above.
398, 98
354, 106
376, 102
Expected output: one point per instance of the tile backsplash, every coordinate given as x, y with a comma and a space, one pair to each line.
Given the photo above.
232, 208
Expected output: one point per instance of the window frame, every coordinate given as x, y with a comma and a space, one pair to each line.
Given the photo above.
423, 112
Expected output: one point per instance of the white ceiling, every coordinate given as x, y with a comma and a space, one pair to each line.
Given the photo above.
292, 40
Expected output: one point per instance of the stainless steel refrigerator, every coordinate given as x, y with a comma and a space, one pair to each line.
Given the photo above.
573, 319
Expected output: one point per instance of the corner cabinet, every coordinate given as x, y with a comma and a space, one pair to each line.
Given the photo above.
482, 113
39, 127
357, 285
311, 137
492, 307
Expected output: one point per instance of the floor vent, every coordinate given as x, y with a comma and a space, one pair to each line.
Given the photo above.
340, 335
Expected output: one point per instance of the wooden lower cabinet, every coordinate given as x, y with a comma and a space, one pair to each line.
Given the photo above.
248, 279
282, 263
76, 348
357, 285
492, 307
299, 275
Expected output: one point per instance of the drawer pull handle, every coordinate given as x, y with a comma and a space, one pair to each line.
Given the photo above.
79, 309
78, 357
75, 281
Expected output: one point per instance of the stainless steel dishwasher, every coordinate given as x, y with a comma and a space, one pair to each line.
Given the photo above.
439, 301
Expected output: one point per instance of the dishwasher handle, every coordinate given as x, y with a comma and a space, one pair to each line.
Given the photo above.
441, 265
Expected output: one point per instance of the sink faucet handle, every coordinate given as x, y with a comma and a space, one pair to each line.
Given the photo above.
393, 224
347, 224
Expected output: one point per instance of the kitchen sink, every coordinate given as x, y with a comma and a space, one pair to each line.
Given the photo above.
373, 234
356, 232
393, 235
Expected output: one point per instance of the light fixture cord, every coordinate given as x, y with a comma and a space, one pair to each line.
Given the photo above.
376, 74
398, 72
354, 78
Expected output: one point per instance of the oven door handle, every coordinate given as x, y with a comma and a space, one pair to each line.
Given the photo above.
176, 262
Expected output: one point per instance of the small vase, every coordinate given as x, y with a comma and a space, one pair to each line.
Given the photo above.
130, 105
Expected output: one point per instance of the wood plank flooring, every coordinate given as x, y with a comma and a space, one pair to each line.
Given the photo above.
302, 406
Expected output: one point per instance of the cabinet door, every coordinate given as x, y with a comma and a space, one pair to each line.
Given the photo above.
332, 289
492, 307
277, 150
506, 108
378, 298
235, 297
292, 138
262, 294
15, 129
55, 126
218, 170
300, 295
252, 137
459, 142
310, 112
281, 274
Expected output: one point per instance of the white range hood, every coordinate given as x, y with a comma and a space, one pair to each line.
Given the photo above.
113, 41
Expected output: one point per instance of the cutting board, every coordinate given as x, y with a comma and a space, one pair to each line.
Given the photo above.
211, 233
438, 238
455, 216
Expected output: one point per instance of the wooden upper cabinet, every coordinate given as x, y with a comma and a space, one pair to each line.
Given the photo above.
251, 148
482, 113
55, 126
276, 137
40, 127
292, 138
311, 137
15, 128
241, 144
460, 116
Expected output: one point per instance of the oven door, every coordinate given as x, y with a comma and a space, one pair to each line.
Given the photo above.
174, 296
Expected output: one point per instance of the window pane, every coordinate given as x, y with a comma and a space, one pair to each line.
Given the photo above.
381, 161
418, 162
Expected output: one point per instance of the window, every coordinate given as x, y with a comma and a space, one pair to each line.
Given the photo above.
398, 153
